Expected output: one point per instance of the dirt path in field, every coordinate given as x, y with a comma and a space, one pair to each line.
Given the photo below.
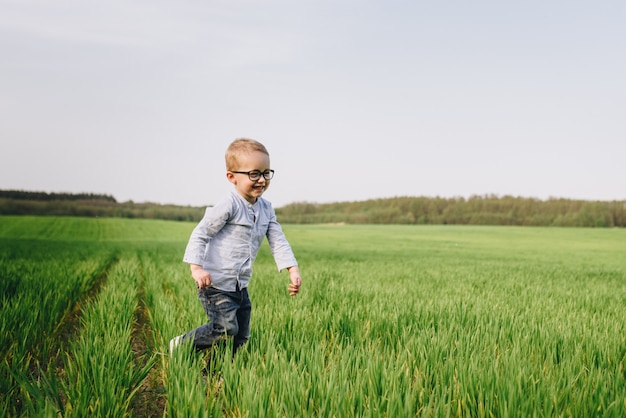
66, 331
69, 327
151, 397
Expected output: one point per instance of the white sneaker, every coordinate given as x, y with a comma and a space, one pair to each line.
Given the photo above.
175, 342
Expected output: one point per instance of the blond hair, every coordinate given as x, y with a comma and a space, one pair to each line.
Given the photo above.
241, 146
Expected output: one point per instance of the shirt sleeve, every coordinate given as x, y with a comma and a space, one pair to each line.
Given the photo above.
212, 222
281, 250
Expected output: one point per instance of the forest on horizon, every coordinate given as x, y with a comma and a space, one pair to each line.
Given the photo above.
475, 210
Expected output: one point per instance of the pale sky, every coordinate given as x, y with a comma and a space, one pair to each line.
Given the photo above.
354, 99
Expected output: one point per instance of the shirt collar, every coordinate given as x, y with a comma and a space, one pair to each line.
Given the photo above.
245, 202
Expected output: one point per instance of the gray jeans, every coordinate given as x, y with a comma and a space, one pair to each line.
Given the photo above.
229, 316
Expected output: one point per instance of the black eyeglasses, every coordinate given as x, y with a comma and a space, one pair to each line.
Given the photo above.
255, 175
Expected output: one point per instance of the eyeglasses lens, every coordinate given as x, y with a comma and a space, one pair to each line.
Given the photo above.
256, 175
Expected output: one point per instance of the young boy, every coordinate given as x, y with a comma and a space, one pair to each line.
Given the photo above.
224, 245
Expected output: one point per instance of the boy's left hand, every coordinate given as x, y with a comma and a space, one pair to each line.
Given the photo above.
296, 281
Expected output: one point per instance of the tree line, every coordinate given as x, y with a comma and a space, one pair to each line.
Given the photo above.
476, 210
15, 202
44, 196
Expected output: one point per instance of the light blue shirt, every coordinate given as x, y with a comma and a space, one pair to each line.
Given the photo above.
227, 240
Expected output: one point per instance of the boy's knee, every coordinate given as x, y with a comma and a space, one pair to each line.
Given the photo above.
232, 329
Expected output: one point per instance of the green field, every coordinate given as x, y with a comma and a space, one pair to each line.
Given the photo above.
391, 321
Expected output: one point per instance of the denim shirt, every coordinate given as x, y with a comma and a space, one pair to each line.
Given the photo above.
227, 240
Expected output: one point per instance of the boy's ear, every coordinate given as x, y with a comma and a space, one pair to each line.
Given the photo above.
231, 177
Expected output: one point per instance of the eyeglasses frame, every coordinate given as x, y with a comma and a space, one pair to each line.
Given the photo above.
265, 174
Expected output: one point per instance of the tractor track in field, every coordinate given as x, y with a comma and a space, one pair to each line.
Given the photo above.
67, 329
69, 326
151, 398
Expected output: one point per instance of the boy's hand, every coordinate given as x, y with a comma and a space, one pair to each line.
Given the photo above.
296, 280
201, 276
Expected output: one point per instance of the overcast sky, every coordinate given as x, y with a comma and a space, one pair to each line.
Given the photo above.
354, 99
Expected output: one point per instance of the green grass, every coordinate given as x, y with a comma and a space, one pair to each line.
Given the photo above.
391, 321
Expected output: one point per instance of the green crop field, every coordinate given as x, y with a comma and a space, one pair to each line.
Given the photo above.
392, 321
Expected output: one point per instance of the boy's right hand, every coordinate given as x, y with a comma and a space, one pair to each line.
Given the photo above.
201, 276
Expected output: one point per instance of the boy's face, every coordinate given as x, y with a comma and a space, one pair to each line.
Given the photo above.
248, 189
